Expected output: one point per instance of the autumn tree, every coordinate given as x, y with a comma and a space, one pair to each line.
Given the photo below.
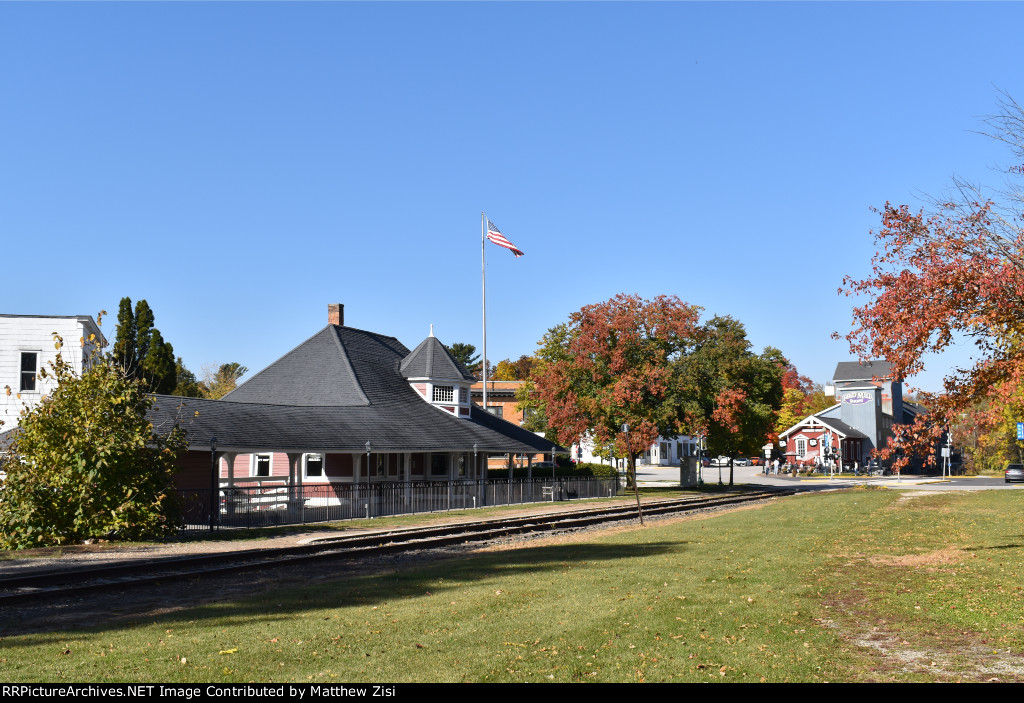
800, 397
220, 380
613, 363
952, 273
519, 370
86, 463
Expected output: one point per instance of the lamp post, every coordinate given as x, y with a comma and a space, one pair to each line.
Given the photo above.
214, 503
368, 449
476, 463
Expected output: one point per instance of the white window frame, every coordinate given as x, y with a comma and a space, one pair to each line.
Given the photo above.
323, 467
447, 391
801, 447
254, 463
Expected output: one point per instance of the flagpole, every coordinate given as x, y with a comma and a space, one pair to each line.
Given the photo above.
483, 283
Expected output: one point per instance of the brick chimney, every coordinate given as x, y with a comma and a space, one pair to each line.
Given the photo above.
336, 314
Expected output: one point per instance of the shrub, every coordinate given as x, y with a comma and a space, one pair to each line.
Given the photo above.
86, 463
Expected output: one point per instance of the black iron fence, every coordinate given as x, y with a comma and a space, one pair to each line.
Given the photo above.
275, 503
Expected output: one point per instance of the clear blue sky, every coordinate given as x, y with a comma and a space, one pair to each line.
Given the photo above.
242, 165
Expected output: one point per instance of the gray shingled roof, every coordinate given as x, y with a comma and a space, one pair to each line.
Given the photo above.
862, 371
432, 360
396, 426
338, 389
337, 366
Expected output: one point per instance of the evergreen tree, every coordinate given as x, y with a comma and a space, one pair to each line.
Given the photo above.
186, 383
125, 351
140, 350
466, 355
159, 372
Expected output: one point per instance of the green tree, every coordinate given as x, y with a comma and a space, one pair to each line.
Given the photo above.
731, 393
87, 463
186, 383
221, 380
616, 363
140, 349
466, 355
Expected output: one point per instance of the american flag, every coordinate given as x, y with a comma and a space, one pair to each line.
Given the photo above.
494, 234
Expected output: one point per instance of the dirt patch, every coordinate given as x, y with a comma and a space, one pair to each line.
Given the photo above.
941, 557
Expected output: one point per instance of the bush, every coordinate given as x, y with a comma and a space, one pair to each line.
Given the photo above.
570, 471
86, 463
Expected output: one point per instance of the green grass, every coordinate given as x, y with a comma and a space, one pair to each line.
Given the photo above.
851, 586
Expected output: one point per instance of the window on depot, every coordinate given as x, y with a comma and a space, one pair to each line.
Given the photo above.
261, 465
444, 394
314, 466
801, 448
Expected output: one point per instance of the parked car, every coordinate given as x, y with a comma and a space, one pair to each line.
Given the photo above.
741, 461
543, 465
756, 461
1014, 472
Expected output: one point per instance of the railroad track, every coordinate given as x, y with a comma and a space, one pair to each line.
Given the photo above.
74, 582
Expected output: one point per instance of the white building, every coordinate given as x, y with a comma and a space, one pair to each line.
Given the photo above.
664, 452
27, 345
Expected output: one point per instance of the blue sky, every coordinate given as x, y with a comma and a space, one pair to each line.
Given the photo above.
240, 166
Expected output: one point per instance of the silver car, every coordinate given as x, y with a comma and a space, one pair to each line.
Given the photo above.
1014, 472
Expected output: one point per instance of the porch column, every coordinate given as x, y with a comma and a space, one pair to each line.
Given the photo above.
228, 457
294, 480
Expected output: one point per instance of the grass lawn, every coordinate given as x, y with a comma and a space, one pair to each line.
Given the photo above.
863, 585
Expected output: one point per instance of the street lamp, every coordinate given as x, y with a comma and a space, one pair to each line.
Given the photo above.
476, 463
368, 448
214, 506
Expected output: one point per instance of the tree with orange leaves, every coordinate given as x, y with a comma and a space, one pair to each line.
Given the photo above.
612, 364
653, 366
939, 277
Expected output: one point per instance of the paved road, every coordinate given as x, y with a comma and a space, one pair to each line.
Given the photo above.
669, 475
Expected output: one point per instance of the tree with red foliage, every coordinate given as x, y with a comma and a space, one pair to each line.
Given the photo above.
612, 364
941, 276
651, 365
800, 397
